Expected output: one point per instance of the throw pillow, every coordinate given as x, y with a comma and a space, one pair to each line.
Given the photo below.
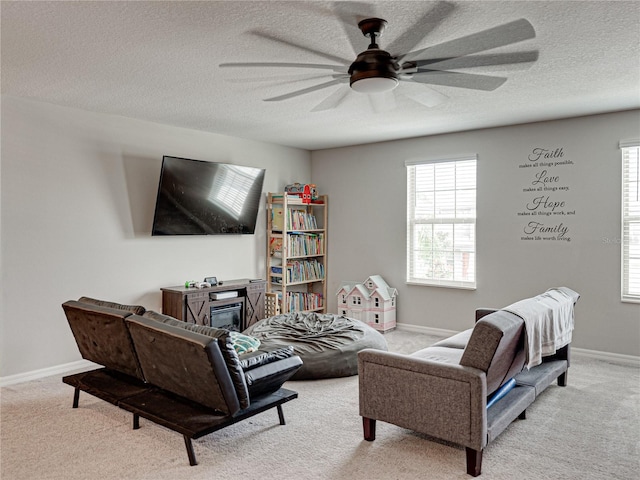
244, 343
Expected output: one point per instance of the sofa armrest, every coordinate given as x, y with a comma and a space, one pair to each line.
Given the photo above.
483, 312
445, 401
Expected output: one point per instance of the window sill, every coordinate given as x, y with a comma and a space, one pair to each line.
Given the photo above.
442, 285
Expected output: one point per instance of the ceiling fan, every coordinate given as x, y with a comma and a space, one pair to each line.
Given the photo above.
378, 72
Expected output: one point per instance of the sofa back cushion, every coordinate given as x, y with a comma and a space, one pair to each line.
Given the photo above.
225, 344
102, 335
135, 309
496, 346
183, 362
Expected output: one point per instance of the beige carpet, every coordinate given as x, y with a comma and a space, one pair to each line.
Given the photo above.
588, 430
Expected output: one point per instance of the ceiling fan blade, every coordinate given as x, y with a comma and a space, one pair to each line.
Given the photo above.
471, 61
333, 58
333, 100
382, 102
421, 94
288, 78
458, 79
304, 91
421, 27
322, 66
499, 36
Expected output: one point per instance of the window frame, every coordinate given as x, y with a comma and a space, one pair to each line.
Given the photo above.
628, 273
412, 221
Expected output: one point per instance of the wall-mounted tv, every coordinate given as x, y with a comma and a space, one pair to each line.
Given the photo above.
206, 198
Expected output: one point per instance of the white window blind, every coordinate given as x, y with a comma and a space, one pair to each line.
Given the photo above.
630, 221
441, 222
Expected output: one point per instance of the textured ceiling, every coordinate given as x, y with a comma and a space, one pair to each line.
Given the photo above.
159, 61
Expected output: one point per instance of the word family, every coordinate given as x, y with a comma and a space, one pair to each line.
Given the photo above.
537, 227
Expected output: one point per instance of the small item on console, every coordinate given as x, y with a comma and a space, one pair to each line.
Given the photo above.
193, 284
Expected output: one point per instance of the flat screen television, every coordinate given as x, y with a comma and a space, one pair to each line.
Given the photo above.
206, 198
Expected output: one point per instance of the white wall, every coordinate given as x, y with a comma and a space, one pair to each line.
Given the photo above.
367, 233
77, 196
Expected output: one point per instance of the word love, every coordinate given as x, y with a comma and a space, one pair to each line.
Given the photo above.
538, 153
545, 203
543, 178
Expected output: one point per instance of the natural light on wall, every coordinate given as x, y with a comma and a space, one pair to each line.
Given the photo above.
630, 220
441, 222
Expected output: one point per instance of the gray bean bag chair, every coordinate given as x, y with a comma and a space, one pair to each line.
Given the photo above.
327, 343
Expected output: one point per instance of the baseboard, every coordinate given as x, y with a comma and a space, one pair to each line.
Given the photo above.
438, 332
596, 354
63, 369
618, 358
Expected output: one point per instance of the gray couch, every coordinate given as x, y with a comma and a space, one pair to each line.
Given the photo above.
443, 390
188, 378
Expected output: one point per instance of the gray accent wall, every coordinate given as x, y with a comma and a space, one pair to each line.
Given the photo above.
78, 190
367, 222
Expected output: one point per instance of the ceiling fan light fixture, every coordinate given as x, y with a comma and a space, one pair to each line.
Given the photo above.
374, 84
374, 71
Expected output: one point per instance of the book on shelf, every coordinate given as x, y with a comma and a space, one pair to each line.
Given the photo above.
299, 301
292, 199
304, 271
305, 244
301, 220
277, 218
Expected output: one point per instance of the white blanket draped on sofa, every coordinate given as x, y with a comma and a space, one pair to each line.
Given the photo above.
548, 320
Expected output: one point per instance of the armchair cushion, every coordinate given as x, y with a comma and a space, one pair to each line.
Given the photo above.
184, 362
264, 356
459, 340
102, 335
225, 344
447, 355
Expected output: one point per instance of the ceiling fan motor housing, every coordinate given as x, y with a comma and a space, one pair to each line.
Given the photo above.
373, 63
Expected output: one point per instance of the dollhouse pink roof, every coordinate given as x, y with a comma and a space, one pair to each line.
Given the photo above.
380, 286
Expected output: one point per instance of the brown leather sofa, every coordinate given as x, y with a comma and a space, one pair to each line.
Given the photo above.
443, 390
185, 377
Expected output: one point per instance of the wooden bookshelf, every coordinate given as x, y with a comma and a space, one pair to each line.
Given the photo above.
297, 253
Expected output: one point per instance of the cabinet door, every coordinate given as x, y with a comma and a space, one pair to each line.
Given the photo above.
197, 309
254, 303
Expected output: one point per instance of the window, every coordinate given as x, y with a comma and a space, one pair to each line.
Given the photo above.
630, 221
441, 222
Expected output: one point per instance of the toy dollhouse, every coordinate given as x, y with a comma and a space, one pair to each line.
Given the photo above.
372, 302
